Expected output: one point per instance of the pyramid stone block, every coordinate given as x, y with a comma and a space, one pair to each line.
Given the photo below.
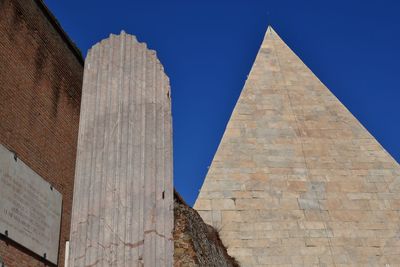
296, 179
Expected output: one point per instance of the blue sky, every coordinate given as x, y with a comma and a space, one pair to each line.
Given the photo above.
208, 47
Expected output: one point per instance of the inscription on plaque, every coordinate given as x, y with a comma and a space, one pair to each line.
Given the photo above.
30, 209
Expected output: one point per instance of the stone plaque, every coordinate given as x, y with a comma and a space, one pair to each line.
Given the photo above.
30, 209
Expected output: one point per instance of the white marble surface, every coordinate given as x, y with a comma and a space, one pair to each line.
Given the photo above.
123, 194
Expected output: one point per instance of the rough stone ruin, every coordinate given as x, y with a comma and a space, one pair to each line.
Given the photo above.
123, 194
297, 180
195, 242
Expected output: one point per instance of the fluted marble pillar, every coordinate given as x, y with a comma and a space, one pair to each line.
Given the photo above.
123, 196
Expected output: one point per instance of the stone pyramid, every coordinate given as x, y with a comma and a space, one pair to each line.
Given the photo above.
297, 180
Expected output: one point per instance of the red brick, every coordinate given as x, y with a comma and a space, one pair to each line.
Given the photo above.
40, 92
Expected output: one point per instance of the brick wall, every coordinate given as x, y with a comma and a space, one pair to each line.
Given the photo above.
40, 89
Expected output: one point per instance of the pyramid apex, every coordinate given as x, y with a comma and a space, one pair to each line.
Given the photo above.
270, 30
270, 34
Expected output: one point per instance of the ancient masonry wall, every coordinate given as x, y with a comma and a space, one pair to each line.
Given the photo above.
123, 196
40, 87
196, 243
297, 180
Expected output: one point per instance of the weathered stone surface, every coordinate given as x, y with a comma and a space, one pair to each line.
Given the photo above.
123, 195
196, 243
297, 180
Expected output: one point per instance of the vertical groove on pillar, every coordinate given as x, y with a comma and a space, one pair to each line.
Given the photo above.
122, 209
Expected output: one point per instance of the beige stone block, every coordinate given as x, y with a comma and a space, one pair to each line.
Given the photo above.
284, 225
357, 204
348, 216
263, 226
230, 216
386, 233
234, 133
288, 204
332, 204
259, 176
297, 233
387, 195
393, 259
347, 241
242, 194
264, 243
319, 233
271, 234
203, 204
247, 260
317, 242
327, 260
297, 186
316, 215
256, 203
395, 204
313, 250
267, 195
305, 261
237, 243
229, 235
376, 225
309, 204
295, 242
256, 185
381, 187
390, 250
273, 260
361, 195
232, 226
311, 225
240, 252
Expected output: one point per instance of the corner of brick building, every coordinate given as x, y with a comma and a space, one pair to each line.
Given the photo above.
40, 90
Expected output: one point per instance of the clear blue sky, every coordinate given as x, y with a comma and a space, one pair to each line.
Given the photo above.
207, 48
